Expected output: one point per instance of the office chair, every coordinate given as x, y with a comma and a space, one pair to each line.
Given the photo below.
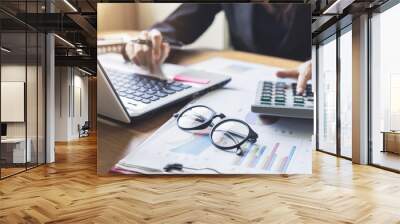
84, 130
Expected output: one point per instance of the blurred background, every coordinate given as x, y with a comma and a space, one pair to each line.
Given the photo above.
142, 16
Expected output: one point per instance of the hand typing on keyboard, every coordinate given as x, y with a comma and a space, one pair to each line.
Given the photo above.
149, 56
142, 88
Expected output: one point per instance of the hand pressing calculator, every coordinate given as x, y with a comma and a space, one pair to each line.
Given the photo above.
280, 99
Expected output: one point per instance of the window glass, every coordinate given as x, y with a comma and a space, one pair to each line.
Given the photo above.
385, 84
346, 94
327, 96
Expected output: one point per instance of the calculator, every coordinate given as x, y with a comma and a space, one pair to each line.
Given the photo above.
280, 99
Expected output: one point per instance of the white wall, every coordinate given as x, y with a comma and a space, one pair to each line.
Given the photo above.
70, 84
62, 81
13, 100
80, 113
14, 73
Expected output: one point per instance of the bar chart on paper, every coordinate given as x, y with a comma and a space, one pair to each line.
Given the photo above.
275, 158
195, 145
281, 148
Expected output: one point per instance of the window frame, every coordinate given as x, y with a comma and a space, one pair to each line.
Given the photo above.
378, 10
339, 29
346, 26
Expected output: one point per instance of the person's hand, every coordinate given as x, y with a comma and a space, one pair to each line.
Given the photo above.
149, 58
301, 73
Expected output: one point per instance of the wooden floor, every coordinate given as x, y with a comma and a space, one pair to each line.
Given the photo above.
69, 191
5, 172
387, 159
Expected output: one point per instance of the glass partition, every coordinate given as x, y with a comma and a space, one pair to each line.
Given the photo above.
15, 149
23, 89
35, 88
326, 105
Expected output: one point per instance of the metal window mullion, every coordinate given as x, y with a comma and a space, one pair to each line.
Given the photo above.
60, 76
338, 95
69, 92
370, 153
37, 91
0, 97
26, 89
73, 92
317, 96
45, 94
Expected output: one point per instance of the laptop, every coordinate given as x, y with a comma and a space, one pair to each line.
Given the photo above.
125, 95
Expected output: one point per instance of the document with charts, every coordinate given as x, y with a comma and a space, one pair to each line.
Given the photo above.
283, 146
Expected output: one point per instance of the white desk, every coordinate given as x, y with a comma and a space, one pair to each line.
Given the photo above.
18, 149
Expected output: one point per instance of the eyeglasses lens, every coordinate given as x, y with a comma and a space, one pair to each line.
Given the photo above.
195, 117
230, 134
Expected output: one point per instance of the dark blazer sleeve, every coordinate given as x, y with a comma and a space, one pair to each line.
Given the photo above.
188, 22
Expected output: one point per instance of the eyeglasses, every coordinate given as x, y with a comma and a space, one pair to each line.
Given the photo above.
227, 134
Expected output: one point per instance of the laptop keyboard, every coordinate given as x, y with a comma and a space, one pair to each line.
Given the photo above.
143, 88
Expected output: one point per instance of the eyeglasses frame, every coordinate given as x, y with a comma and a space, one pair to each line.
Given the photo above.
251, 137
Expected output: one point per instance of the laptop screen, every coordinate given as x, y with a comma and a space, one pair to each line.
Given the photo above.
3, 129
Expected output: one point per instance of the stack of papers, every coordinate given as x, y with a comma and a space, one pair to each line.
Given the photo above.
283, 146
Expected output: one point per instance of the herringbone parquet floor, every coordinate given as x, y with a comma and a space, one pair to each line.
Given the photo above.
69, 191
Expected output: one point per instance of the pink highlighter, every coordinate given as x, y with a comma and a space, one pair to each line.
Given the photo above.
183, 78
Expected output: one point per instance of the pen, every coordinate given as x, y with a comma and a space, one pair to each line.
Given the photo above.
149, 43
118, 45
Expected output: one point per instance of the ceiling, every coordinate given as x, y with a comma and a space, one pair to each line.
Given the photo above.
76, 20
73, 20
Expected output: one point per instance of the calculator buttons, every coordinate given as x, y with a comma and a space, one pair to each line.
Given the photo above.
266, 98
281, 99
281, 94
